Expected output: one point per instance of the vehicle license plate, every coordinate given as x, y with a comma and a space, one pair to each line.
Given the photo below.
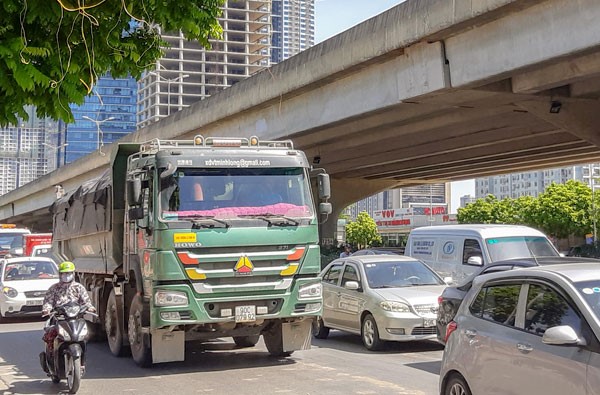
427, 322
245, 313
34, 302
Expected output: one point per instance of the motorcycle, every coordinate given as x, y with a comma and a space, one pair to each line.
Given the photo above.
66, 360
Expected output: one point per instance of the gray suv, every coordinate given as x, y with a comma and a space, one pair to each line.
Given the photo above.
527, 331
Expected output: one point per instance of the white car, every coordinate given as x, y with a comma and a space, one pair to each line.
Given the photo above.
42, 250
24, 282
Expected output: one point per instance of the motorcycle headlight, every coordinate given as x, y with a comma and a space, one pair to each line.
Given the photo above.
170, 298
396, 307
63, 333
10, 292
72, 311
310, 291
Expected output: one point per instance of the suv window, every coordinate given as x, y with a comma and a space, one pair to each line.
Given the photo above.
350, 274
471, 248
333, 274
497, 303
546, 308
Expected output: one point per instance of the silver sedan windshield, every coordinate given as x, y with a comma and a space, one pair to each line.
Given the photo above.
393, 274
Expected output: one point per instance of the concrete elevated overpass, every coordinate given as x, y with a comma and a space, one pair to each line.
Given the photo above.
428, 91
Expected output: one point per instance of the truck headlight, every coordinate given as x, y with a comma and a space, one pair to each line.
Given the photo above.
170, 298
396, 307
10, 292
310, 291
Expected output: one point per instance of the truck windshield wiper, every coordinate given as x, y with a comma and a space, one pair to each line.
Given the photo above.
206, 221
273, 219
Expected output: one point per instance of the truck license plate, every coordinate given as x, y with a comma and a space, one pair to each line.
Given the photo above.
245, 313
34, 302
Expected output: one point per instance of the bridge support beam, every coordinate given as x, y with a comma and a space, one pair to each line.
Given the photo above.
578, 117
345, 192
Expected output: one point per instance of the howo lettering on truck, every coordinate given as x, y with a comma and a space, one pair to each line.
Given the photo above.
178, 241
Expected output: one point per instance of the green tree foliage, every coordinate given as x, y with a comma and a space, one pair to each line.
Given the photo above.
490, 210
563, 209
479, 212
363, 231
53, 51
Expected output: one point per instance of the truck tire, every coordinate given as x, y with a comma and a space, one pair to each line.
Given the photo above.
114, 336
139, 317
246, 341
274, 341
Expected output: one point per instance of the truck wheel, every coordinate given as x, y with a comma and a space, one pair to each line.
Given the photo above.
319, 330
141, 350
274, 341
246, 341
111, 326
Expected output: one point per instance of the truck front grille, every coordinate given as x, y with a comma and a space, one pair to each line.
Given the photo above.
227, 270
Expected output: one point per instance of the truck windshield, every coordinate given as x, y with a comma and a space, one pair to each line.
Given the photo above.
236, 193
11, 240
501, 248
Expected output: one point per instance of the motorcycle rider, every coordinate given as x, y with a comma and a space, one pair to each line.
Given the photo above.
65, 291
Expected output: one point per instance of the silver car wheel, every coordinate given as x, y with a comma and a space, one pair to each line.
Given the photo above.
457, 389
456, 385
368, 332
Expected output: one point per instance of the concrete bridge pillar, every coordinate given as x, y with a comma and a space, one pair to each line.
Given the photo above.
345, 192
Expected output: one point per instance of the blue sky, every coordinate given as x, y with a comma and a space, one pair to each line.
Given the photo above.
335, 16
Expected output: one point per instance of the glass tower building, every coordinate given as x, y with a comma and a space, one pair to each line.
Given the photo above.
106, 115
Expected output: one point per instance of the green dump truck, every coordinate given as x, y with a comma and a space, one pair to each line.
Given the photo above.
195, 240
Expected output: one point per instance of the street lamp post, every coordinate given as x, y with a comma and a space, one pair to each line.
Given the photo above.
168, 81
98, 131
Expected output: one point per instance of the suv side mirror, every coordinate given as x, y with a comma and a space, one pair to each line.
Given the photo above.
352, 285
562, 335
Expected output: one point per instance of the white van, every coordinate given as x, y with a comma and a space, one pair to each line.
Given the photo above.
459, 250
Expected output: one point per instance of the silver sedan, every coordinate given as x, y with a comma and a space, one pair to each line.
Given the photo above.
380, 297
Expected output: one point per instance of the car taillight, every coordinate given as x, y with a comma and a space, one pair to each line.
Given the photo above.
440, 299
451, 327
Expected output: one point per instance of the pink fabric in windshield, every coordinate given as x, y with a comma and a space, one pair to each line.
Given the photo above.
230, 212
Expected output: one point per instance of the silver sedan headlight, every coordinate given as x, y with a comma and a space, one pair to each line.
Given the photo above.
396, 307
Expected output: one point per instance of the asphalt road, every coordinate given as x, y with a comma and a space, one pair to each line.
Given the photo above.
338, 365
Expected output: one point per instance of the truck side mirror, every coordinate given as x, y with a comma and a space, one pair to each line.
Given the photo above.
134, 192
325, 208
136, 213
324, 186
